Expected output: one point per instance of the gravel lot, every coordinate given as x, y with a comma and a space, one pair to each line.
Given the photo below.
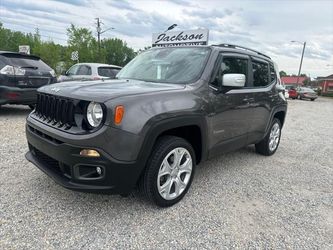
240, 200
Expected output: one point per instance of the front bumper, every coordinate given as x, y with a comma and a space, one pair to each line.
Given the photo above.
13, 95
63, 163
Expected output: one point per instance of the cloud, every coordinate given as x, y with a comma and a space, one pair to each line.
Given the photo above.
267, 26
122, 5
181, 2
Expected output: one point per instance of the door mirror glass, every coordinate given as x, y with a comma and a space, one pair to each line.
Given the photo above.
233, 80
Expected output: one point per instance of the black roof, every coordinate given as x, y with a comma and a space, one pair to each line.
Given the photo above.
9, 53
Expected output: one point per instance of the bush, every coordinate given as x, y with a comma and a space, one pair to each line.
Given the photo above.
328, 94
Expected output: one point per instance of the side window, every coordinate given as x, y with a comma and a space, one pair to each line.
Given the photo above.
260, 74
231, 65
84, 70
73, 70
273, 73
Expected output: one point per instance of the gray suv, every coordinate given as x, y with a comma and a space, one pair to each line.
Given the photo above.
168, 110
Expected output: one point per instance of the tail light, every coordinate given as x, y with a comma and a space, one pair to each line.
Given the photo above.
12, 70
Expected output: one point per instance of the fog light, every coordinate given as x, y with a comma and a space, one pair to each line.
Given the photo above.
99, 170
89, 153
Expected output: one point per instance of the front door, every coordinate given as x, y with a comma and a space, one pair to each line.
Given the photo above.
230, 108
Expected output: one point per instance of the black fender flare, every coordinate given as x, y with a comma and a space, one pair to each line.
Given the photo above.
275, 110
153, 129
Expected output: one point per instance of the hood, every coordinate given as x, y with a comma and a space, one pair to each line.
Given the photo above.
102, 91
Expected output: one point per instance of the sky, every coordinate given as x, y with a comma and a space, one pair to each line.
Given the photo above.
268, 26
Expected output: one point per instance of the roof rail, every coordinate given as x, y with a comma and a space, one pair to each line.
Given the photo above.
226, 45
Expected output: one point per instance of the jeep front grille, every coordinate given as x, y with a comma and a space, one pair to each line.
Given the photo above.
55, 110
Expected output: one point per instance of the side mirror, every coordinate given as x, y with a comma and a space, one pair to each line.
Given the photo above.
233, 80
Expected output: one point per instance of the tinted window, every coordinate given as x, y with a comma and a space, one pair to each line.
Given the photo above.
108, 71
73, 70
170, 65
84, 70
231, 65
260, 74
273, 73
26, 61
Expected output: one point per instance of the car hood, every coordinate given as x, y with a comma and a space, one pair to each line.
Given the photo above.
102, 91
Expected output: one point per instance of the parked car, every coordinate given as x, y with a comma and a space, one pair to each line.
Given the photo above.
307, 93
286, 93
293, 94
170, 109
20, 76
90, 71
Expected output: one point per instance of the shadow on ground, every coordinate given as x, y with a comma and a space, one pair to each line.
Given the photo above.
14, 110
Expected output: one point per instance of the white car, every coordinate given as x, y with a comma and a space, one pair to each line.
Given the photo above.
90, 71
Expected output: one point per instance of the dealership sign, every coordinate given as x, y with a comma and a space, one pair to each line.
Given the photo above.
25, 49
180, 38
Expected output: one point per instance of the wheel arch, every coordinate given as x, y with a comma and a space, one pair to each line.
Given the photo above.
280, 113
178, 126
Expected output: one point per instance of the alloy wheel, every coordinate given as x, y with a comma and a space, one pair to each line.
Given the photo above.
274, 137
174, 173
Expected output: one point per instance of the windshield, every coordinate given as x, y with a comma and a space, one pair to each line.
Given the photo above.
170, 65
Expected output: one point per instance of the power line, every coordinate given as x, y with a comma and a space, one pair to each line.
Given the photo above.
47, 36
34, 27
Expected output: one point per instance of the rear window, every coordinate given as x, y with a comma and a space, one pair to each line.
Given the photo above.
25, 61
108, 71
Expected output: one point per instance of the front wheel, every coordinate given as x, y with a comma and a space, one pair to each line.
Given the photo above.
169, 171
270, 143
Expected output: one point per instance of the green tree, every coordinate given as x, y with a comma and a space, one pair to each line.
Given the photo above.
115, 51
82, 40
282, 73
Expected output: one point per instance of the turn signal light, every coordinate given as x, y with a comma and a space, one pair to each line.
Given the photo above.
119, 114
89, 153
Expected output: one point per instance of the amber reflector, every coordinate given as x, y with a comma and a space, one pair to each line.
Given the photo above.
118, 115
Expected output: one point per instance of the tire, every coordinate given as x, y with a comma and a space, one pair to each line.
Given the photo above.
263, 147
153, 181
32, 106
312, 99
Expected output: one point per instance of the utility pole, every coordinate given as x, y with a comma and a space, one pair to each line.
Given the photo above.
99, 35
99, 32
300, 65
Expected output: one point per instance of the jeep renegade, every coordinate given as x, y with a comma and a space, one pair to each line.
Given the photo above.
168, 110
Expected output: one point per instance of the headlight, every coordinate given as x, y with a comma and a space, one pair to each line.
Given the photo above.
94, 114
